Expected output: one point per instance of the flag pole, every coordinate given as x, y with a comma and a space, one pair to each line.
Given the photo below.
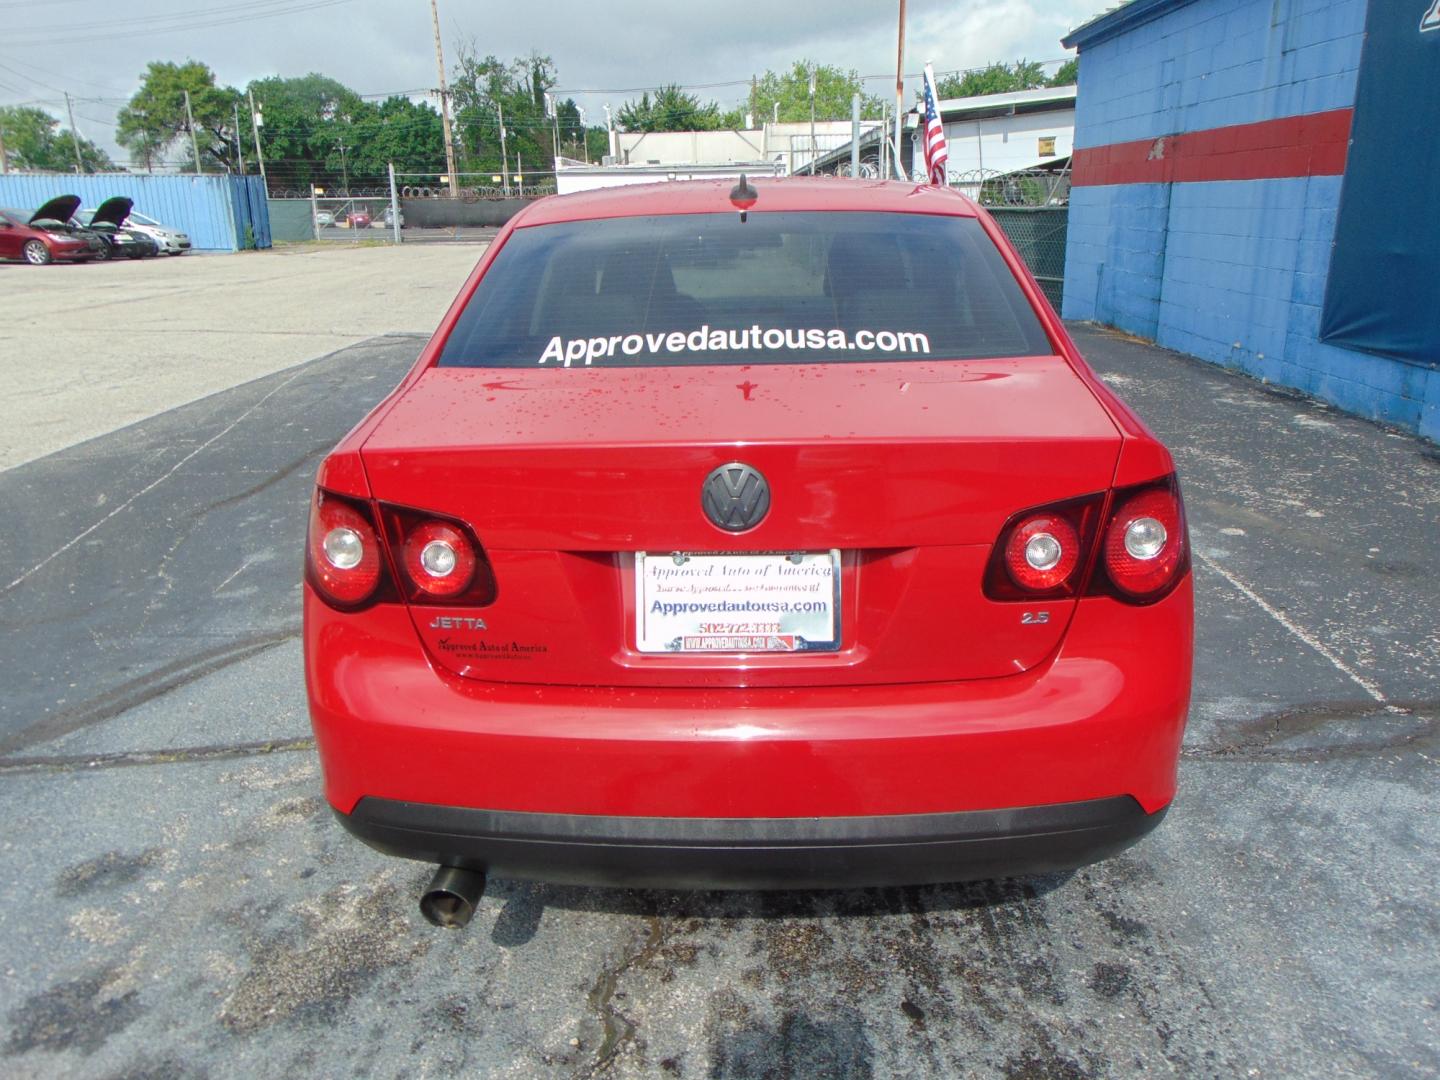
900, 91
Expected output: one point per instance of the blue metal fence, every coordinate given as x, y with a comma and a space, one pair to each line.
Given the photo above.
220, 213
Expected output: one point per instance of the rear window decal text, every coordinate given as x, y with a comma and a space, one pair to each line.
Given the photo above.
568, 351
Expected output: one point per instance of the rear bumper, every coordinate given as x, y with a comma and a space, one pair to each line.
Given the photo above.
1102, 718
756, 853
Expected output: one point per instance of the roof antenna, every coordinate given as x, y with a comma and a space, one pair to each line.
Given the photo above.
742, 197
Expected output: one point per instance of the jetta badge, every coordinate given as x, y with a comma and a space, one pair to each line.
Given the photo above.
735, 497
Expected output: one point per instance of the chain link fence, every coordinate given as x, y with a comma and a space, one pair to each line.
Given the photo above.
1038, 233
474, 186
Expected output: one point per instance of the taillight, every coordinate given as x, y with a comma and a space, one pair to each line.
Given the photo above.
343, 560
1146, 549
439, 560
1044, 551
1048, 551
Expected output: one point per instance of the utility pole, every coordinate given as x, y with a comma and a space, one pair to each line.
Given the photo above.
4, 158
900, 90
444, 104
256, 120
814, 150
344, 169
504, 159
610, 130
239, 143
190, 123
74, 138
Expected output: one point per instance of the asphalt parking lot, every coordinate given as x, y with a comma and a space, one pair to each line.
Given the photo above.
177, 901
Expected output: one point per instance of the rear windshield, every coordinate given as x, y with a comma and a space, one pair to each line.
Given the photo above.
779, 288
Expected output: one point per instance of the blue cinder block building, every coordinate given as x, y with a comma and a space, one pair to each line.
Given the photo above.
1257, 183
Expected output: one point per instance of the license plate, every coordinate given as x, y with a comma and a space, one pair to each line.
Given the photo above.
752, 603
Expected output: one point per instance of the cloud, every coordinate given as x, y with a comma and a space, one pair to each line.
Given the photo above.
378, 45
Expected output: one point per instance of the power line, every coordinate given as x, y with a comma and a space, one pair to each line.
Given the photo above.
746, 82
186, 23
158, 18
50, 71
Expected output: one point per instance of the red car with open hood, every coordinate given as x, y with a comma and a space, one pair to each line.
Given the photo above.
724, 545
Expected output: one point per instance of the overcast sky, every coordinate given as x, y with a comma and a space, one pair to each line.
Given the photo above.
376, 46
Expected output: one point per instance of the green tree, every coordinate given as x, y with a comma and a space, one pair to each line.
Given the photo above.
155, 121
997, 78
834, 87
319, 131
307, 119
397, 130
34, 140
670, 110
482, 90
1067, 74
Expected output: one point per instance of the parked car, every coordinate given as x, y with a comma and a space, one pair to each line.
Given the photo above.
171, 241
324, 219
107, 222
386, 219
42, 236
796, 546
356, 219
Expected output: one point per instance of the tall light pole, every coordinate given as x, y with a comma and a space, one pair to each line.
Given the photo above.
554, 110
900, 91
444, 104
855, 136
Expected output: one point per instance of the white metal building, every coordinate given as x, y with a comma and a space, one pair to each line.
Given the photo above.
994, 134
572, 176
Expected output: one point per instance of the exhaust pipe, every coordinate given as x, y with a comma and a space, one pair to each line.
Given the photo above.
452, 896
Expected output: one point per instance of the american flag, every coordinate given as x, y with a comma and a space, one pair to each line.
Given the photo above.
936, 152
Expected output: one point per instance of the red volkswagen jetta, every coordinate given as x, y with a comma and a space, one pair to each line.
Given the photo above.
792, 546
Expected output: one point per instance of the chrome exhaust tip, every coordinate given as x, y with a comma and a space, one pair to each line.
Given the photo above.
452, 896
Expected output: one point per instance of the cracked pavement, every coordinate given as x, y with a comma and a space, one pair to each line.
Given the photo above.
177, 901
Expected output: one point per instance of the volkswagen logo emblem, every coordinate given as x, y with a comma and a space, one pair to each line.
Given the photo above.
735, 497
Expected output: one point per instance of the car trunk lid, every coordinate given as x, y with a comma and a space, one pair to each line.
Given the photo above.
907, 469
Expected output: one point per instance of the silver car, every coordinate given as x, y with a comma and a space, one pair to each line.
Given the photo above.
171, 241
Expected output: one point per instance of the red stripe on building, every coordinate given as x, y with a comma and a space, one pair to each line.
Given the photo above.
1311, 145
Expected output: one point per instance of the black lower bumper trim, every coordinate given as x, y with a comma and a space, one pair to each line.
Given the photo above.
756, 853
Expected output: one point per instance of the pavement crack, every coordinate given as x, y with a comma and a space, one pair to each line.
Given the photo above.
617, 1029
65, 763
1326, 731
